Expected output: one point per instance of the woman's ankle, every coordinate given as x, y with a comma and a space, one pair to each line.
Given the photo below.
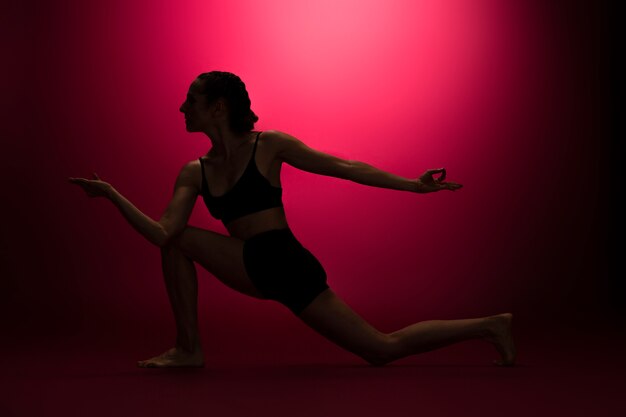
189, 345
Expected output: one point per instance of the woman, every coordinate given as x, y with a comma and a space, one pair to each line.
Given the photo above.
239, 180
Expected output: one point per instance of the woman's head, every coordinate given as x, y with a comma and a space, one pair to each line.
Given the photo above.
218, 94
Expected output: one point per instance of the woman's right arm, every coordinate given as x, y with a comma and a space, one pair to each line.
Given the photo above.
173, 220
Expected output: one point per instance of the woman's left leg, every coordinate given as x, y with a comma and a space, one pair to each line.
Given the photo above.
332, 318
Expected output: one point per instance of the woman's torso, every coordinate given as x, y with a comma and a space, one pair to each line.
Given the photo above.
221, 177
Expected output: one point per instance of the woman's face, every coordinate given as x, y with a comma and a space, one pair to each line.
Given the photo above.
198, 115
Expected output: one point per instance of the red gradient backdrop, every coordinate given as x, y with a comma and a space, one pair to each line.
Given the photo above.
505, 95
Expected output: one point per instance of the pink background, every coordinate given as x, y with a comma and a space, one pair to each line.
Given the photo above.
508, 96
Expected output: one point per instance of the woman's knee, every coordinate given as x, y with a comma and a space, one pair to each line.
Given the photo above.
172, 251
179, 240
385, 351
172, 248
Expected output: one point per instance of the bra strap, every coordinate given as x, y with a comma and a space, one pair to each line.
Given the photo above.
204, 185
255, 142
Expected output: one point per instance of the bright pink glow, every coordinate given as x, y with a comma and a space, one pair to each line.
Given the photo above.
404, 86
470, 85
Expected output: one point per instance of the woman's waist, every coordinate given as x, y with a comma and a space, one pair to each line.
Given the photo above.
261, 222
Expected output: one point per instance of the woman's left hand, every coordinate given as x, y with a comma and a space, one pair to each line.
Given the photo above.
426, 183
94, 187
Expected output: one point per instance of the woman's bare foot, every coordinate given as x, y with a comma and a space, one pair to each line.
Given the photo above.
501, 337
174, 358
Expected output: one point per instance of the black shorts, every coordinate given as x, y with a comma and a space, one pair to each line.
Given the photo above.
283, 270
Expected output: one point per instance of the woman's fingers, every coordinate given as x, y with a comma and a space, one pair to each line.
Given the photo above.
93, 187
452, 186
432, 172
82, 182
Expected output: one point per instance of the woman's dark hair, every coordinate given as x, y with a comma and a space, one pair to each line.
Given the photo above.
230, 87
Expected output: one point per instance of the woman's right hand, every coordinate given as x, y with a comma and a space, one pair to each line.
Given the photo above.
94, 188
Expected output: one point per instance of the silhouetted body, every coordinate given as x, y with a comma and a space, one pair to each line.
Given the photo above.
239, 180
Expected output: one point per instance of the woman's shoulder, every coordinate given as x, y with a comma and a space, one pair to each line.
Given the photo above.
194, 164
271, 135
274, 143
194, 170
273, 140
189, 174
278, 138
192, 167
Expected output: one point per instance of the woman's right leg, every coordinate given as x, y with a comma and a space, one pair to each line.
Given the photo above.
181, 283
220, 255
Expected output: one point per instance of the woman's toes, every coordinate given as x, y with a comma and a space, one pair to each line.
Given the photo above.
503, 363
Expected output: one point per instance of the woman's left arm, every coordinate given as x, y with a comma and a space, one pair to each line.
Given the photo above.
297, 154
365, 174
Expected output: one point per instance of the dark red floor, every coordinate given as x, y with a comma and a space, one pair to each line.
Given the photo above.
557, 374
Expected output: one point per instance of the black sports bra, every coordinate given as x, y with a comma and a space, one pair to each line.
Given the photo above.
251, 193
